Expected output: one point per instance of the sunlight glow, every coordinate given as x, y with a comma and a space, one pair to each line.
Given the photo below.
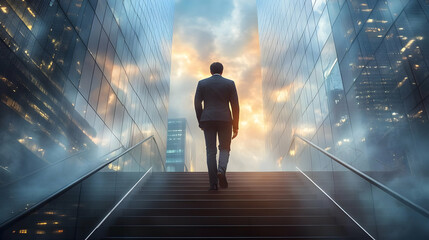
203, 40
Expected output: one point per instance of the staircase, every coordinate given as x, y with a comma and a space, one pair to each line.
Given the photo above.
257, 205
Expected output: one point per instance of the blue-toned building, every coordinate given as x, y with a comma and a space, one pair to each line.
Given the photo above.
78, 75
180, 146
79, 79
352, 77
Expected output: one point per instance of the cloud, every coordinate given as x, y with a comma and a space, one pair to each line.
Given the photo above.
200, 37
225, 31
187, 12
239, 28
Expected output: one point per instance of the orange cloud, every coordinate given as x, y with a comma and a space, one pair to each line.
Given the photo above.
242, 66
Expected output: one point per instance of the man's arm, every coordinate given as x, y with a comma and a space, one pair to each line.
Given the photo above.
198, 102
235, 109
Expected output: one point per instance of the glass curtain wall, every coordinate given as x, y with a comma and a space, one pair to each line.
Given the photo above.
79, 77
352, 77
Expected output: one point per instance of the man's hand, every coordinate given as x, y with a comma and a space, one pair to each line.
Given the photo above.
234, 134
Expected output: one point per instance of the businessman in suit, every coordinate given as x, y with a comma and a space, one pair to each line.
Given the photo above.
215, 120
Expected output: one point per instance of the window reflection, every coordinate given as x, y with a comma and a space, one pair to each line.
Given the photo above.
357, 86
75, 76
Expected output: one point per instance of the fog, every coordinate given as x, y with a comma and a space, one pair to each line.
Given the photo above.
231, 37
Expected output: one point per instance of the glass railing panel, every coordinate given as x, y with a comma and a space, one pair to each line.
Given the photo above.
22, 194
96, 196
299, 151
321, 171
397, 221
354, 195
350, 191
381, 214
75, 213
156, 157
56, 220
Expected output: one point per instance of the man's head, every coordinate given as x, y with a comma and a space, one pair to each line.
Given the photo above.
216, 67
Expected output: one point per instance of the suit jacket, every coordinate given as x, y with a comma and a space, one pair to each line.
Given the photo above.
217, 93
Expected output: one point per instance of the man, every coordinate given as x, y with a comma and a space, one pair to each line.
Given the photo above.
215, 120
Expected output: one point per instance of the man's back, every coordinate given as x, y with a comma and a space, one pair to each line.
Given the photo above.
217, 93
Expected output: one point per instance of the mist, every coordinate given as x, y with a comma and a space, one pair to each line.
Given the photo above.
230, 37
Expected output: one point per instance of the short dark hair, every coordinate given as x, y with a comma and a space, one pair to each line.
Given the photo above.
216, 67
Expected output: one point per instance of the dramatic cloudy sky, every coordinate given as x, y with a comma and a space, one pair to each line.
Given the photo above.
224, 31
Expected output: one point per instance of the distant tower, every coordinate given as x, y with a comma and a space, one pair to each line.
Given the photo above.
180, 146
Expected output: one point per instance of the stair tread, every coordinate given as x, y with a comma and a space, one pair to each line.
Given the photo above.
234, 208
222, 200
223, 220
257, 205
229, 225
226, 230
249, 237
225, 238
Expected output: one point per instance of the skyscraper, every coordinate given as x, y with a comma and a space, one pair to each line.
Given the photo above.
180, 146
352, 77
80, 76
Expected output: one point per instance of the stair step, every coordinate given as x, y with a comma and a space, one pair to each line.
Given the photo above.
235, 184
231, 188
225, 230
270, 173
225, 211
225, 220
231, 179
205, 177
222, 191
228, 195
233, 174
239, 203
228, 174
257, 205
231, 238
250, 183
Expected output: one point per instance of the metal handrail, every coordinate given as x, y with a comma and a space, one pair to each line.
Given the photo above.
69, 186
369, 179
117, 204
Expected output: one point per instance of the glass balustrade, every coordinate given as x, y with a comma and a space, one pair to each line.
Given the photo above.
78, 209
382, 215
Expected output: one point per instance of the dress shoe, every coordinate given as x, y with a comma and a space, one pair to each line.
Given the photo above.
213, 187
223, 183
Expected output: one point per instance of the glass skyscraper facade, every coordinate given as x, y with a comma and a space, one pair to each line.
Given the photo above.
180, 146
353, 77
80, 77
